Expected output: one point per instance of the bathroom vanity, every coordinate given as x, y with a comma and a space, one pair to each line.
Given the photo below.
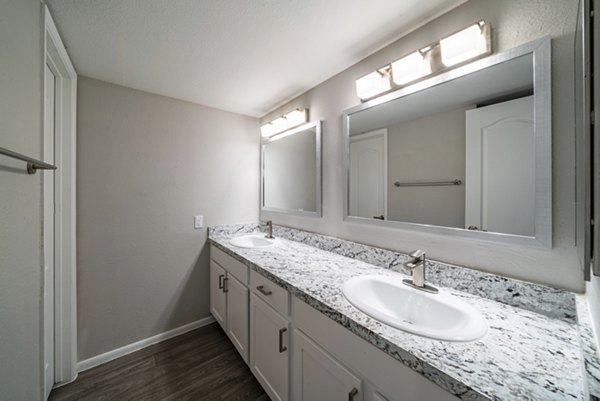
286, 315
458, 159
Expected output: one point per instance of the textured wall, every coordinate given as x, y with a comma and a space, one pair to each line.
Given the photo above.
514, 22
428, 148
21, 61
146, 165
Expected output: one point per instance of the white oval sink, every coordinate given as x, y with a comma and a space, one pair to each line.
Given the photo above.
252, 241
440, 316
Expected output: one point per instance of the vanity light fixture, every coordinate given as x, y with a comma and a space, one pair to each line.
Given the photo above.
285, 122
466, 44
411, 67
374, 83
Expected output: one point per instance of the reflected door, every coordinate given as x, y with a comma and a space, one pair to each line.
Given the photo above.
368, 175
500, 168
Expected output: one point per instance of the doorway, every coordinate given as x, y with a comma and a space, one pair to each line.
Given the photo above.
59, 356
48, 230
500, 168
368, 175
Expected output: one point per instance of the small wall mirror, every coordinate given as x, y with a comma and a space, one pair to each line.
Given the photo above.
467, 152
291, 171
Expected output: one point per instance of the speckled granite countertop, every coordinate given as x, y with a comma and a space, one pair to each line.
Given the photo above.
526, 355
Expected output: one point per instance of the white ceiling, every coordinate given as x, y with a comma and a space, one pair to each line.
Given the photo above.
244, 56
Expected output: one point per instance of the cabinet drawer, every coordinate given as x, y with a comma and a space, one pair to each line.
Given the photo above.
271, 293
235, 267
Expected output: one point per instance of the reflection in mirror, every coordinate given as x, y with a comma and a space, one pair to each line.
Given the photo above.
469, 149
291, 171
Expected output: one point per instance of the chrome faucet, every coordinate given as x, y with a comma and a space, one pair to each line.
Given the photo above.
417, 266
269, 224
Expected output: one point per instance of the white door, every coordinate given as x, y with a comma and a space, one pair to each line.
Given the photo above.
218, 298
500, 168
318, 376
269, 354
368, 175
48, 233
237, 315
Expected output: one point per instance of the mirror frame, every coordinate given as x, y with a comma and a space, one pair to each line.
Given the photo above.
318, 170
540, 49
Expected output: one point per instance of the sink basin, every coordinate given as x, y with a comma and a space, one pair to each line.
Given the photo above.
252, 241
439, 316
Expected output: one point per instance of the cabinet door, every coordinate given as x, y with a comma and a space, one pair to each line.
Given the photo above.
372, 393
269, 354
218, 298
237, 315
317, 376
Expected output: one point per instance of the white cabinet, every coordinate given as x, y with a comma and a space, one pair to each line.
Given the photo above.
269, 353
372, 393
218, 298
317, 376
328, 362
381, 374
229, 298
237, 315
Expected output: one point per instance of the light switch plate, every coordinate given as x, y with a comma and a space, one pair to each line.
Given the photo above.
198, 222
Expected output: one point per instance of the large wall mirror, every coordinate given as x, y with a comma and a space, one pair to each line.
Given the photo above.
466, 153
291, 171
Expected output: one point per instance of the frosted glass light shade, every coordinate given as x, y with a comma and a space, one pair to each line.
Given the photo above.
279, 124
285, 122
296, 117
410, 68
267, 130
372, 84
464, 45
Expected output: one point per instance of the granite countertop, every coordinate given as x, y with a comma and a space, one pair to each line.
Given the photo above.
524, 356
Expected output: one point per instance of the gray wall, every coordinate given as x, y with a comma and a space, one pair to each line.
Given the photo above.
514, 22
21, 61
428, 148
146, 165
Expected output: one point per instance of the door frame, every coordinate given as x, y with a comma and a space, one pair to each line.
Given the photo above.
378, 132
65, 290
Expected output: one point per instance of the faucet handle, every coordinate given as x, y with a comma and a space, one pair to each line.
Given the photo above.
417, 254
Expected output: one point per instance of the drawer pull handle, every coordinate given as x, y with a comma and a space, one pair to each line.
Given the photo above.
352, 394
221, 276
225, 281
262, 290
282, 348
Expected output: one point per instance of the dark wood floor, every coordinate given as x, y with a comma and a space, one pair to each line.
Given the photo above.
199, 365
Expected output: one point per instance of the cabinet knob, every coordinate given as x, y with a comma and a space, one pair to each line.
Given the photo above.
352, 394
282, 348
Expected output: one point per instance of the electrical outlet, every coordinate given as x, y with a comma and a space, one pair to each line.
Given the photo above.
198, 222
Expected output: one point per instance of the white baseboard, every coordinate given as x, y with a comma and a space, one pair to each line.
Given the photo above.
138, 345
